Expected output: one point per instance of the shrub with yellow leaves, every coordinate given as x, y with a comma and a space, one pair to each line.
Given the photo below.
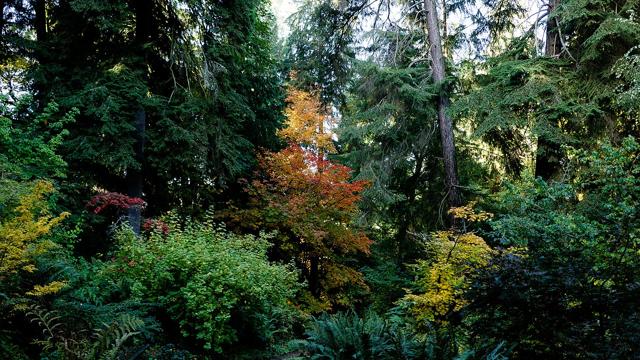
21, 237
443, 278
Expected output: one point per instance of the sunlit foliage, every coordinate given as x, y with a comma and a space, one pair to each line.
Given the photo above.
444, 277
22, 238
308, 123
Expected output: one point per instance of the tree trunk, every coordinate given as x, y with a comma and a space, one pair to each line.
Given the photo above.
549, 154
446, 127
404, 246
553, 46
40, 25
40, 7
314, 276
134, 177
1, 17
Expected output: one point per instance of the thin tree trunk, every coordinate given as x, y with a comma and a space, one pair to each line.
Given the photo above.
1, 17
403, 246
314, 276
444, 121
40, 25
548, 154
135, 177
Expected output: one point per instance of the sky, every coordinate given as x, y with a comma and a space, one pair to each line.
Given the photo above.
283, 9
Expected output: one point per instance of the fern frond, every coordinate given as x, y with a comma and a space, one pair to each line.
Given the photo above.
48, 321
111, 337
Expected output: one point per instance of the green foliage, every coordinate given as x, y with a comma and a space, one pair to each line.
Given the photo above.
345, 335
573, 98
387, 278
48, 321
555, 274
217, 287
105, 343
29, 140
521, 96
211, 91
111, 337
627, 69
565, 286
319, 48
387, 136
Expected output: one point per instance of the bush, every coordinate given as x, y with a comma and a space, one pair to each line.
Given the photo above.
216, 286
567, 285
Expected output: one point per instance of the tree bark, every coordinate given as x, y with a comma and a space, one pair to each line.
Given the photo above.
553, 46
40, 7
549, 154
444, 121
135, 176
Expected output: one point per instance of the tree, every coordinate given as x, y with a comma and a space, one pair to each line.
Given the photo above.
312, 203
444, 277
385, 135
548, 154
569, 243
307, 122
320, 47
444, 121
570, 97
161, 74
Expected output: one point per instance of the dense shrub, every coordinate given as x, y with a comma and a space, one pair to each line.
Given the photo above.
566, 286
215, 286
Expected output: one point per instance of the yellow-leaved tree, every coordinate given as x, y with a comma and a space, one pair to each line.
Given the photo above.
308, 123
21, 239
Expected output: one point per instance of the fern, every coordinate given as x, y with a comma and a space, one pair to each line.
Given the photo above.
348, 336
111, 337
50, 324
105, 343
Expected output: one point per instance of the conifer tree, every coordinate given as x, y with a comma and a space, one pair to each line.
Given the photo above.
444, 120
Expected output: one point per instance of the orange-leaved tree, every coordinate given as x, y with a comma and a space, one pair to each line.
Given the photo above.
312, 203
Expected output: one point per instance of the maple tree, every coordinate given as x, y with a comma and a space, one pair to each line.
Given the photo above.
313, 210
311, 202
106, 200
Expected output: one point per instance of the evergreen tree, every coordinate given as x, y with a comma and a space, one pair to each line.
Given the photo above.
160, 74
